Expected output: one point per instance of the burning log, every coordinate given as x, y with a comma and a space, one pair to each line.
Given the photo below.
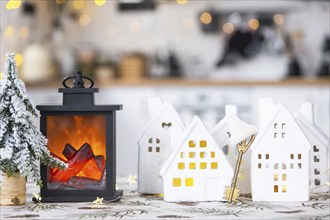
76, 163
87, 183
69, 151
92, 169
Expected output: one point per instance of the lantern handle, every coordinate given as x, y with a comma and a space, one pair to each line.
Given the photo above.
78, 81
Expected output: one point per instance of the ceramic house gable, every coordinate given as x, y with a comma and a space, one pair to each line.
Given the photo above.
280, 159
154, 148
197, 169
319, 153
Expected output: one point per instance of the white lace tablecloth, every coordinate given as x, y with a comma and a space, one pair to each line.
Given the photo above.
135, 206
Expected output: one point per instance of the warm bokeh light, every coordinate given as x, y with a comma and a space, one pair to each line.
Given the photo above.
19, 59
9, 31
13, 4
206, 18
278, 19
188, 23
134, 26
228, 28
99, 2
24, 32
78, 4
60, 1
253, 24
85, 19
182, 2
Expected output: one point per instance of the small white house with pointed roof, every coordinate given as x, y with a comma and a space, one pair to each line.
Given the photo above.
319, 153
155, 145
197, 169
221, 133
280, 156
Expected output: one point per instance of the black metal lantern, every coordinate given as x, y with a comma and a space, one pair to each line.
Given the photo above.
84, 136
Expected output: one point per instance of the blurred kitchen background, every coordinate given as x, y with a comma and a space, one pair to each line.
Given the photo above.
197, 54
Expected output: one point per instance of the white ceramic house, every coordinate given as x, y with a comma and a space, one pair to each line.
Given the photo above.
319, 153
280, 156
197, 169
155, 145
221, 134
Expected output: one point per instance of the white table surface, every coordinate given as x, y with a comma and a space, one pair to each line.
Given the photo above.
135, 206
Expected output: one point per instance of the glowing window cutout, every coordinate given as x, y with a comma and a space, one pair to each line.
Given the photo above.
275, 177
275, 188
192, 154
182, 154
202, 165
203, 143
189, 182
192, 144
212, 154
180, 166
284, 188
176, 182
214, 165
192, 166
202, 154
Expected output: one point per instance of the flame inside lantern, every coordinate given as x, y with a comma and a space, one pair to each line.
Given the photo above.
86, 137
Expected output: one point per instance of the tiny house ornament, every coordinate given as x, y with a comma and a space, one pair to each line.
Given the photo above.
196, 169
221, 132
242, 135
155, 145
83, 135
280, 156
319, 153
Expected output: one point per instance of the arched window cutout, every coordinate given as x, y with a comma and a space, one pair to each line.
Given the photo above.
157, 141
150, 141
275, 125
275, 166
317, 182
225, 149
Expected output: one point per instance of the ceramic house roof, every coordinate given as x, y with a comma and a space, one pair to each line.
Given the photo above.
278, 109
229, 116
312, 128
195, 124
166, 107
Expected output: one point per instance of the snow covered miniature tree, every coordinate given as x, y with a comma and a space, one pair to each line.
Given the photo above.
21, 143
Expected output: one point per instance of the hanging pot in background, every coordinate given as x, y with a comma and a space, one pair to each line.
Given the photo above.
13, 190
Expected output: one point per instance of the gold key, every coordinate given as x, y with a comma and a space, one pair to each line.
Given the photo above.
231, 192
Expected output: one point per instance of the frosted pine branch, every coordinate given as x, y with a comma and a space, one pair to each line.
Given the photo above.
21, 143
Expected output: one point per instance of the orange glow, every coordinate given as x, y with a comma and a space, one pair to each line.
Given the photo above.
206, 18
91, 170
86, 135
253, 24
76, 130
